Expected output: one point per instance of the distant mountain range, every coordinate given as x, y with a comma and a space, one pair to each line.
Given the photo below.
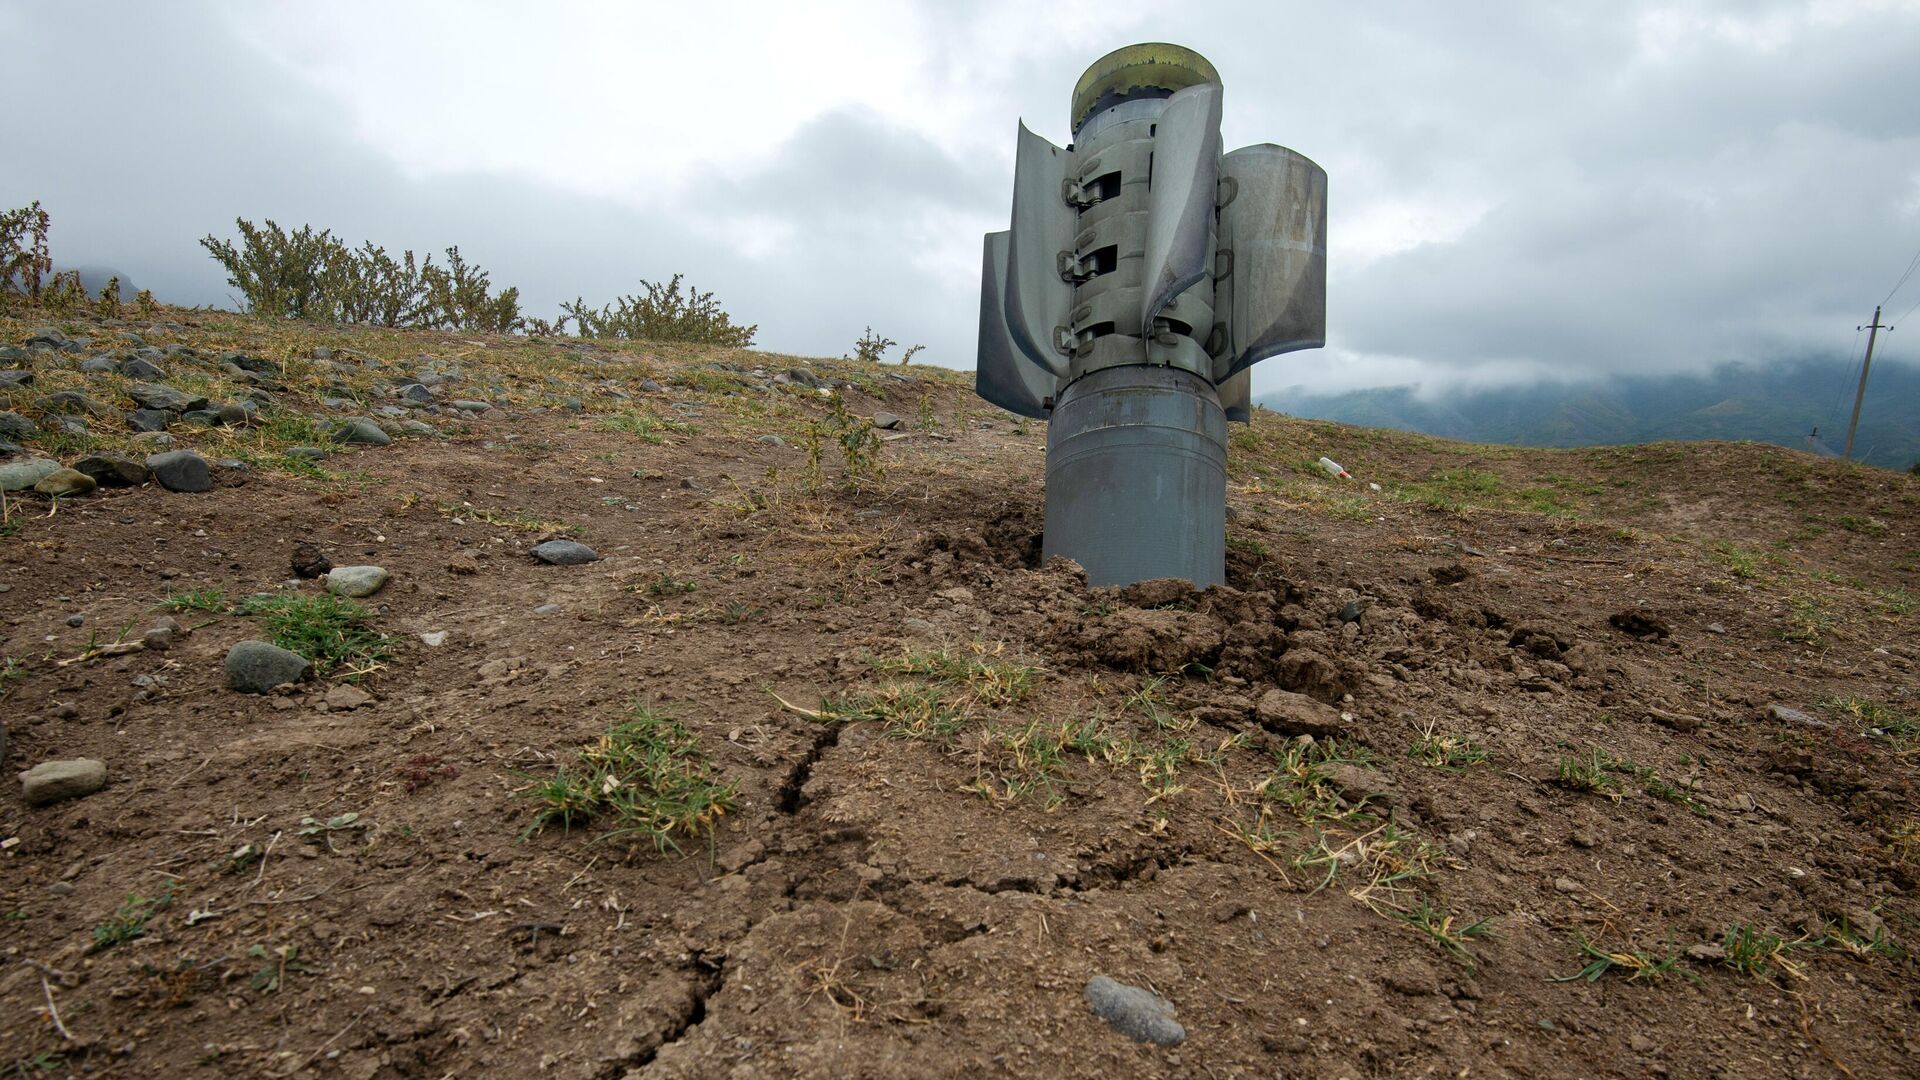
1780, 404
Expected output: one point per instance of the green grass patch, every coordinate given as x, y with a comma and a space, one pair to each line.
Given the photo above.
646, 778
129, 921
332, 631
212, 600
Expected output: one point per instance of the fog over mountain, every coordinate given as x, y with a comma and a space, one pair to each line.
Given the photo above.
1783, 404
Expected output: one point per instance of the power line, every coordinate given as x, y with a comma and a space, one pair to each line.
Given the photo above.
1897, 322
1915, 261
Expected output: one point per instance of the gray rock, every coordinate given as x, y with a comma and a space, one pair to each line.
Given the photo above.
573, 404
11, 450
471, 406
15, 378
160, 396
73, 401
21, 475
805, 378
77, 619
15, 426
11, 353
360, 429
337, 402
64, 483
887, 421
306, 453
234, 415
255, 667
55, 781
391, 412
113, 470
564, 553
72, 425
1788, 715
415, 392
205, 418
150, 419
1141, 1015
158, 440
142, 369
772, 440
257, 365
356, 581
650, 386
96, 365
46, 335
418, 427
181, 470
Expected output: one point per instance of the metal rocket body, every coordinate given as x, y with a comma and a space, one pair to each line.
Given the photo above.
1144, 274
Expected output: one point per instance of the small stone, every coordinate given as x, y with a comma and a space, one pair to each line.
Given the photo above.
1287, 713
360, 429
772, 440
887, 421
21, 475
435, 638
470, 406
76, 619
255, 667
1357, 785
356, 581
564, 553
347, 696
64, 483
54, 781
113, 470
305, 453
1566, 885
143, 370
1715, 628
181, 470
15, 426
548, 609
1141, 1015
60, 888
1641, 1044
1639, 624
158, 440
150, 419
160, 396
96, 365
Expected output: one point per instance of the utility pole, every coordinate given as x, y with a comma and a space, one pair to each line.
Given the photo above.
1873, 330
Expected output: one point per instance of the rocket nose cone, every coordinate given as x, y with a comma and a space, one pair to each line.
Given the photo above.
1149, 69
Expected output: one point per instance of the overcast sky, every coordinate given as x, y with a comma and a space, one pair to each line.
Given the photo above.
1516, 189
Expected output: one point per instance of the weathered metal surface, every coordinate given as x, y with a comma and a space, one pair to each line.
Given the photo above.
1275, 227
1137, 477
1043, 226
1003, 376
1180, 202
1153, 68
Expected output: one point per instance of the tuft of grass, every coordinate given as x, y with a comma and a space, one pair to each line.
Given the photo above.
1587, 773
1452, 753
1865, 526
1640, 965
332, 631
1897, 728
209, 599
984, 672
646, 777
1756, 952
668, 585
647, 427
907, 710
129, 920
1739, 562
1808, 621
1437, 924
505, 519
1029, 761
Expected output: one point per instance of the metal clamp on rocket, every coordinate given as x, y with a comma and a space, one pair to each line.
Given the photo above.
1143, 276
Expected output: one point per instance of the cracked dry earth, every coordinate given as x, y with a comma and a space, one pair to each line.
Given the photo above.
879, 904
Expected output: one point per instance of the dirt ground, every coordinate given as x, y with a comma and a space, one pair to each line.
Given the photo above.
1477, 773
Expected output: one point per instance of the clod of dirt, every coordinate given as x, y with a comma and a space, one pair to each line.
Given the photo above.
1451, 573
310, 561
1308, 672
1133, 639
1141, 1015
1287, 713
1358, 785
1639, 624
56, 781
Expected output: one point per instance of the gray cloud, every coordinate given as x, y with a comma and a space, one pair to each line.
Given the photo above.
1523, 191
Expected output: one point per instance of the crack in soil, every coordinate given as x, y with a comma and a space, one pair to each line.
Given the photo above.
789, 798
